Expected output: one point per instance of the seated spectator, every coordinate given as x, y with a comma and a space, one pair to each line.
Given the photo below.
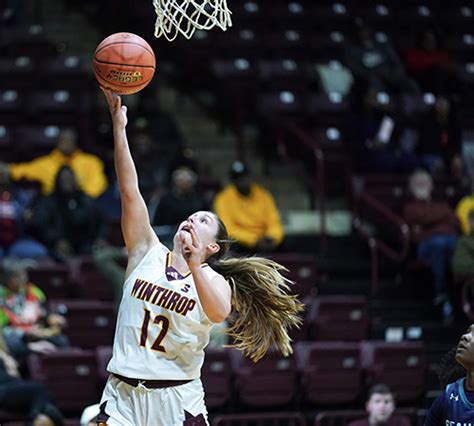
439, 147
88, 168
430, 64
25, 396
26, 324
177, 204
383, 143
380, 407
249, 212
434, 227
463, 258
68, 221
376, 64
463, 209
15, 207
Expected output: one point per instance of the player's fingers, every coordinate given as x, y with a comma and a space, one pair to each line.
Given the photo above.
195, 239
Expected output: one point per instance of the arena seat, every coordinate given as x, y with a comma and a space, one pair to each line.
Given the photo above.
70, 375
271, 382
330, 372
91, 284
103, 354
400, 365
275, 419
90, 323
19, 71
53, 278
340, 318
343, 417
216, 375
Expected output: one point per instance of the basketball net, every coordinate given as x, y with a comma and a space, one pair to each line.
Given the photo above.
187, 16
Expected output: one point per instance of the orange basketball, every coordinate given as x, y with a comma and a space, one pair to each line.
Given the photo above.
124, 63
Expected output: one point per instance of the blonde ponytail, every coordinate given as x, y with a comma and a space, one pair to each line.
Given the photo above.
263, 309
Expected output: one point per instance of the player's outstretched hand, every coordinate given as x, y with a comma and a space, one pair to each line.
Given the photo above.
194, 251
117, 110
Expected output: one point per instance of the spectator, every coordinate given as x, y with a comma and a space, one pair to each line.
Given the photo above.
440, 139
249, 212
383, 143
68, 221
434, 227
24, 396
380, 407
430, 64
14, 209
376, 64
463, 209
26, 324
88, 168
178, 203
463, 258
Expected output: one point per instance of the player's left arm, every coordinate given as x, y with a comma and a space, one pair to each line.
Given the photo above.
214, 295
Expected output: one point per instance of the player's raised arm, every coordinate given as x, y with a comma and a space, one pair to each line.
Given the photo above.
137, 231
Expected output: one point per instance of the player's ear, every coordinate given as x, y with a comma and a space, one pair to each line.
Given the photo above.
213, 248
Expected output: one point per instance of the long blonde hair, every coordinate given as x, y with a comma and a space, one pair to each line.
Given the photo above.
263, 308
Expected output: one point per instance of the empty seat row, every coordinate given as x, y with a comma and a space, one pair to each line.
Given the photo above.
318, 374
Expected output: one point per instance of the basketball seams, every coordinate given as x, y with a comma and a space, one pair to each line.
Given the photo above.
115, 43
123, 65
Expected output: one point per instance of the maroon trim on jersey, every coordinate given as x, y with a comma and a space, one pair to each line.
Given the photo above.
103, 416
190, 420
172, 274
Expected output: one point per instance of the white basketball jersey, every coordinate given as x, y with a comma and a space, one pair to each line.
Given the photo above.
162, 329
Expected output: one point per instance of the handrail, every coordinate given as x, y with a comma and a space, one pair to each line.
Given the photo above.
376, 245
319, 176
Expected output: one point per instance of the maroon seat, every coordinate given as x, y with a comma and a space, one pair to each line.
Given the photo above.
400, 365
103, 354
342, 318
91, 284
90, 323
330, 372
70, 375
271, 382
19, 71
301, 270
275, 419
53, 278
216, 377
37, 140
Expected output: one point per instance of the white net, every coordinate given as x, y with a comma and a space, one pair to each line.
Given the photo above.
186, 16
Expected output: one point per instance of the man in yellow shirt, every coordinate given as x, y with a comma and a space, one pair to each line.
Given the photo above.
464, 206
88, 168
249, 212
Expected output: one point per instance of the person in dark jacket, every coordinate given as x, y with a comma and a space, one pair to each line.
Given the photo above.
68, 222
434, 228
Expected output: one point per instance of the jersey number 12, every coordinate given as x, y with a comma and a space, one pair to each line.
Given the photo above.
159, 320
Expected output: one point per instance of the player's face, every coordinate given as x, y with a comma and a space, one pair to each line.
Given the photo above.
380, 407
465, 349
205, 224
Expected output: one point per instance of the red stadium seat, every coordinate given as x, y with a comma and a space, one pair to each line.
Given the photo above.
400, 365
216, 378
89, 323
340, 318
271, 382
91, 284
344, 417
275, 419
53, 278
70, 375
330, 372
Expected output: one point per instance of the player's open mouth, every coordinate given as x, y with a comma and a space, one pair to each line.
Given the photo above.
461, 347
186, 228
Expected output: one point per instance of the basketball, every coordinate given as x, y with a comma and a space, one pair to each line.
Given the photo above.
124, 63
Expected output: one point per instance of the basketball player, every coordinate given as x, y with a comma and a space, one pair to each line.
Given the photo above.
170, 301
456, 405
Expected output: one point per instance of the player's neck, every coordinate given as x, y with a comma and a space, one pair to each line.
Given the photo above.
470, 381
178, 262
